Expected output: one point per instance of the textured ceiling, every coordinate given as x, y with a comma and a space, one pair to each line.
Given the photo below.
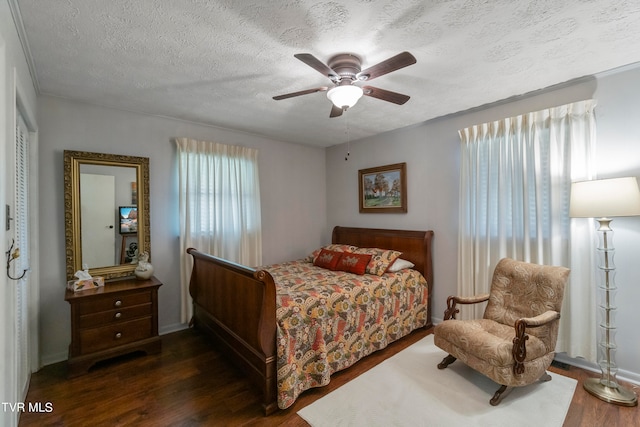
220, 62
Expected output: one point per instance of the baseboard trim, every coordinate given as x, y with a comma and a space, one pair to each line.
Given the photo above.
50, 359
623, 375
173, 328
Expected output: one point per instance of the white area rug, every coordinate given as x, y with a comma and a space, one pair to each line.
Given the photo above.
409, 390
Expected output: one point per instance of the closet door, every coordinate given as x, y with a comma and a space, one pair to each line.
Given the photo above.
21, 264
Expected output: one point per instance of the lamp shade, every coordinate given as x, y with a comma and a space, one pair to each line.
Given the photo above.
604, 198
345, 96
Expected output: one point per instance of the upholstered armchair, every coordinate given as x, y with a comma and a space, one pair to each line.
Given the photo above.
514, 342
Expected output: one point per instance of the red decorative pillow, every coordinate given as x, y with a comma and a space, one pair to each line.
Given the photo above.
353, 263
332, 247
327, 259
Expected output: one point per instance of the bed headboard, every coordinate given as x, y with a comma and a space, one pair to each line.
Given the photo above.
414, 245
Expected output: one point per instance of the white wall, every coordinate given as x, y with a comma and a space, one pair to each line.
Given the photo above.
293, 210
431, 151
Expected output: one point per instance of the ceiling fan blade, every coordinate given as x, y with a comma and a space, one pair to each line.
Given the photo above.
317, 65
385, 95
394, 63
302, 92
335, 111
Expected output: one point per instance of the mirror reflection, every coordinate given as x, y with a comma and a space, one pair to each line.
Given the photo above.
106, 198
108, 207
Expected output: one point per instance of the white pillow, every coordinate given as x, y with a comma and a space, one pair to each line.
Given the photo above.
400, 264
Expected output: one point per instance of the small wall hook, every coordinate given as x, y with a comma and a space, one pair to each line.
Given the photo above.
11, 256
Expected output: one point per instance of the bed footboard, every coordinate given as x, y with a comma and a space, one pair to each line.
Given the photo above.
235, 305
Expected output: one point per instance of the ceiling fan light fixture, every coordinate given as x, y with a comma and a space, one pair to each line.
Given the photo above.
345, 96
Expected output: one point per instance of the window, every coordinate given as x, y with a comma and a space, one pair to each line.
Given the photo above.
219, 202
515, 186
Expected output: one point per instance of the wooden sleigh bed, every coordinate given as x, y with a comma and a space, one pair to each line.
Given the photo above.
236, 305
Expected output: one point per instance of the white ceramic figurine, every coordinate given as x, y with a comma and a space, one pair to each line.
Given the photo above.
144, 270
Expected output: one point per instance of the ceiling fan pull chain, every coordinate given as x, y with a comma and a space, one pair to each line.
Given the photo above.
348, 140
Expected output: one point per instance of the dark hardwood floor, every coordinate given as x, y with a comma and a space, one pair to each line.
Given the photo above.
191, 384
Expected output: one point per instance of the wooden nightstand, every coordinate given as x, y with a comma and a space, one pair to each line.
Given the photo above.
119, 318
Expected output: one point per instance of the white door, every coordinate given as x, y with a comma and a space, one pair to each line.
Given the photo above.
98, 213
21, 264
18, 331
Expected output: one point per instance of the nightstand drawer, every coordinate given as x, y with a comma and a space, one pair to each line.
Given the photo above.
106, 337
104, 318
113, 302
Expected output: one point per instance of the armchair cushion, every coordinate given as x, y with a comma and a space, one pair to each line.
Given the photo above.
485, 345
524, 290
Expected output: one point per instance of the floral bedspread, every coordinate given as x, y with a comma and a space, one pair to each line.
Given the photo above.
328, 320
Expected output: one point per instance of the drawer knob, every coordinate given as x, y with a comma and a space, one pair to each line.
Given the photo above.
119, 335
117, 315
118, 303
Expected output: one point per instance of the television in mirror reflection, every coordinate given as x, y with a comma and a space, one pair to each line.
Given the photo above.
128, 219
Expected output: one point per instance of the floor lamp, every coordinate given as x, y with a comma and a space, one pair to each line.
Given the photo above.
603, 199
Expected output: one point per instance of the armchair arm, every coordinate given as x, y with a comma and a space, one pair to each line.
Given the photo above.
519, 350
450, 312
541, 319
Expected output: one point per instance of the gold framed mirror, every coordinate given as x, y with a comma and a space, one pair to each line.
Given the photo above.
106, 212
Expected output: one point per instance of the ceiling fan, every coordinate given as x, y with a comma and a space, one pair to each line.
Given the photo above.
344, 70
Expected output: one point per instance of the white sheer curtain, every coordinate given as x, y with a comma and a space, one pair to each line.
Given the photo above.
515, 185
219, 200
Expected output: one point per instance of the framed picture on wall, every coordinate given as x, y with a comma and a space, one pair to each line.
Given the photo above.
383, 189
